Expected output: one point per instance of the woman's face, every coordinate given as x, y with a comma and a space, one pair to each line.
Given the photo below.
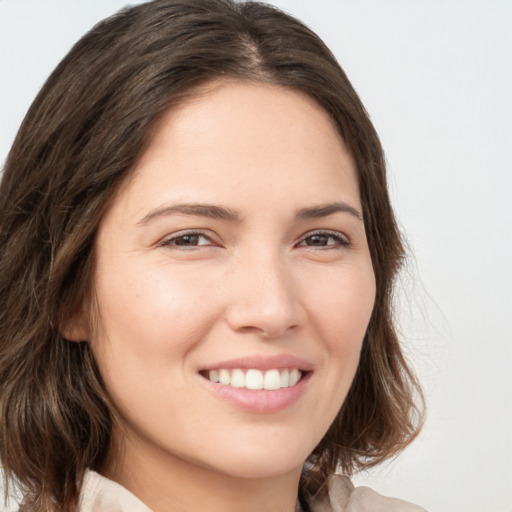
236, 251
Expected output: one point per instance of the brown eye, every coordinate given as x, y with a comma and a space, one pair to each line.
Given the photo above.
322, 239
188, 240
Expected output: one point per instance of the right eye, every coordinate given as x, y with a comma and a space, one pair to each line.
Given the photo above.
190, 239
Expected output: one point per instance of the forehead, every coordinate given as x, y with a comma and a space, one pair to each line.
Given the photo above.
248, 113
255, 139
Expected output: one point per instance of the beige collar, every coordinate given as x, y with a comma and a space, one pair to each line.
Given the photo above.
99, 494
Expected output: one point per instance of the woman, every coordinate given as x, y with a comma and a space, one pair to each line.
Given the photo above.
197, 261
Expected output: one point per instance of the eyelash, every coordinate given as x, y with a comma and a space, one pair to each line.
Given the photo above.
340, 240
171, 241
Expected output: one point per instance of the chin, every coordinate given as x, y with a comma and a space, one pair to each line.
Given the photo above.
263, 460
263, 468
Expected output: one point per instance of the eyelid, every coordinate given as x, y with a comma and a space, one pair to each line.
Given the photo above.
167, 240
342, 239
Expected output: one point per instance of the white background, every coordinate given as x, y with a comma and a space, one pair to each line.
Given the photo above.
436, 78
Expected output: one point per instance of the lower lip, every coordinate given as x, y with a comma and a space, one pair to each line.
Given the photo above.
260, 400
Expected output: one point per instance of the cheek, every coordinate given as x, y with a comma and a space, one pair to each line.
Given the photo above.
342, 304
149, 320
341, 310
155, 306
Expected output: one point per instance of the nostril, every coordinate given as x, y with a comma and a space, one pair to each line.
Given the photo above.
266, 328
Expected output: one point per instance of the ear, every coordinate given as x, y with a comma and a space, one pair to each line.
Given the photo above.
76, 328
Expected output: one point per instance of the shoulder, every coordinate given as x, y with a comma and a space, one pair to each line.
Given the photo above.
342, 496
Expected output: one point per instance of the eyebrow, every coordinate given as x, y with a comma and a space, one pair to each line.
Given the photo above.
212, 211
317, 212
201, 210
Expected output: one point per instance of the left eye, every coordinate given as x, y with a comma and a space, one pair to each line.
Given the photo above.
188, 240
324, 240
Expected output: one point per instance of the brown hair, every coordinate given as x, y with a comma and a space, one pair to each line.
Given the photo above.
79, 140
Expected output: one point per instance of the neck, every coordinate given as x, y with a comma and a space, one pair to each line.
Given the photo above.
166, 483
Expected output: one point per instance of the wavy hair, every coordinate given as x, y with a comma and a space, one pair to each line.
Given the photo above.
79, 141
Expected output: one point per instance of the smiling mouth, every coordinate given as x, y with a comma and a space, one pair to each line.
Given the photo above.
255, 379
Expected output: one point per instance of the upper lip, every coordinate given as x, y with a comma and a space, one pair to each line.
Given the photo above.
260, 362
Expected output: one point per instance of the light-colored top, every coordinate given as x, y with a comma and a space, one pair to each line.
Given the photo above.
99, 494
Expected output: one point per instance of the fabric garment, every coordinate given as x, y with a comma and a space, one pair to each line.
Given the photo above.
99, 494
342, 496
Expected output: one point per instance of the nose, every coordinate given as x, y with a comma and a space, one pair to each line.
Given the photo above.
265, 298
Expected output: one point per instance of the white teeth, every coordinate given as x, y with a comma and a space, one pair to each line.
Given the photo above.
238, 379
285, 378
256, 379
224, 377
272, 380
294, 377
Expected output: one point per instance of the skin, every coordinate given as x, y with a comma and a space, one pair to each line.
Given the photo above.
263, 285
